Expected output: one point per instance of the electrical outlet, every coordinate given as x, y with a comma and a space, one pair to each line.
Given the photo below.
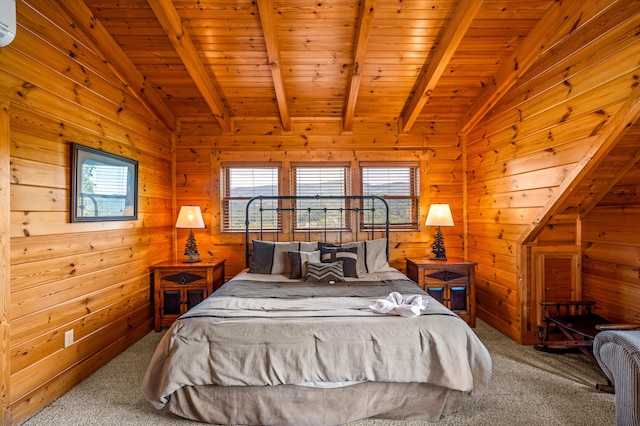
68, 338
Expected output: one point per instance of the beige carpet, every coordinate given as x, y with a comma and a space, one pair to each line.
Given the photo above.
527, 388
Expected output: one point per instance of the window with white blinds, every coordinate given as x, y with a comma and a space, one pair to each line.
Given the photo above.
240, 184
398, 185
312, 180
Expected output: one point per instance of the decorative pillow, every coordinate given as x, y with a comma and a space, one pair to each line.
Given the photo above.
270, 257
324, 272
374, 253
299, 259
347, 255
306, 245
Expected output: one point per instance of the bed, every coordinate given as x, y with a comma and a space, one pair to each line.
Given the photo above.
316, 333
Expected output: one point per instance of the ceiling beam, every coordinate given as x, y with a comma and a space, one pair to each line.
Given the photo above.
365, 18
118, 61
265, 9
553, 26
435, 65
171, 22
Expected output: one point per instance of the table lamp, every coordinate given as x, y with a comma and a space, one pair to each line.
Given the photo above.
190, 217
439, 215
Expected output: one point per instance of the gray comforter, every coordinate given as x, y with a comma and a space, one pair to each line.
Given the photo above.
257, 333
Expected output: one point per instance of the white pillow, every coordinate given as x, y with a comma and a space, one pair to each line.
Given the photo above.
374, 253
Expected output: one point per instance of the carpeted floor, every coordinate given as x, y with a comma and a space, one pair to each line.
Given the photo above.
527, 388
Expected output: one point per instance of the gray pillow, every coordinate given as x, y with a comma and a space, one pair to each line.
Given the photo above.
372, 254
347, 255
271, 257
261, 257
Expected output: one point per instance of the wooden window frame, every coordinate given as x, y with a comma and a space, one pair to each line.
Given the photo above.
226, 196
344, 220
413, 197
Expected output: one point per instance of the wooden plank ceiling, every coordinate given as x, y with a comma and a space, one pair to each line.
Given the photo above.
398, 61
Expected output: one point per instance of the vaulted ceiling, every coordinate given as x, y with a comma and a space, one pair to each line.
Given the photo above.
397, 61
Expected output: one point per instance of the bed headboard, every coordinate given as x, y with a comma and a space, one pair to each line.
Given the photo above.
321, 212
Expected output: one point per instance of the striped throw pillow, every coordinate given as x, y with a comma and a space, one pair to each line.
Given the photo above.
324, 272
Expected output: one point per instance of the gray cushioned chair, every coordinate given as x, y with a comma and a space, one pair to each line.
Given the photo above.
618, 353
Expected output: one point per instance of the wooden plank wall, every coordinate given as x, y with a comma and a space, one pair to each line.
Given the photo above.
611, 247
200, 151
521, 152
92, 278
5, 254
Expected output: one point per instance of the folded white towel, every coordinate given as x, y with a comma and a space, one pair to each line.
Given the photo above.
395, 304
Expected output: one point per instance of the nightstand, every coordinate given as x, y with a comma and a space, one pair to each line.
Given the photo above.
451, 282
179, 286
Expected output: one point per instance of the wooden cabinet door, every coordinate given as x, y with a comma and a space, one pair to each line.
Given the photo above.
556, 275
438, 293
171, 302
194, 296
454, 297
458, 298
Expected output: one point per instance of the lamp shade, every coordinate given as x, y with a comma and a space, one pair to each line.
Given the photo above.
190, 217
439, 215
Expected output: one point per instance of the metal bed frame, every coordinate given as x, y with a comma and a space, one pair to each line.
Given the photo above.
353, 204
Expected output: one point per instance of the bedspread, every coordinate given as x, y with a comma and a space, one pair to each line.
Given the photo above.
271, 333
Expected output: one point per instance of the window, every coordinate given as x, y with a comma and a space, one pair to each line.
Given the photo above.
331, 180
240, 184
103, 186
398, 185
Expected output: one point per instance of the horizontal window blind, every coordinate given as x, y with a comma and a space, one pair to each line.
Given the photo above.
240, 184
398, 185
310, 181
326, 181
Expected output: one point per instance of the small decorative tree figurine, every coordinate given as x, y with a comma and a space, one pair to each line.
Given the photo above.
191, 249
437, 247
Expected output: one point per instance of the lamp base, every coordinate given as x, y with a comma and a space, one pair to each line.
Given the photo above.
191, 249
437, 247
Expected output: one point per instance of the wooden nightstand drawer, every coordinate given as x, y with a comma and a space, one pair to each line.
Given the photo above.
451, 282
182, 277
448, 274
178, 287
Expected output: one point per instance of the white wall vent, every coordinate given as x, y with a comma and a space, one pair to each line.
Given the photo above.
7, 21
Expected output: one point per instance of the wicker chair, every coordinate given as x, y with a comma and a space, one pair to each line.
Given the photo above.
618, 353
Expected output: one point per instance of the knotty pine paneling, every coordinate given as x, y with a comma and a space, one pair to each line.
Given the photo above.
611, 253
5, 258
532, 141
92, 278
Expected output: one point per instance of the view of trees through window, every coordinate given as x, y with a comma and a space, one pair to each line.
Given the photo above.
240, 185
325, 181
104, 190
397, 185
